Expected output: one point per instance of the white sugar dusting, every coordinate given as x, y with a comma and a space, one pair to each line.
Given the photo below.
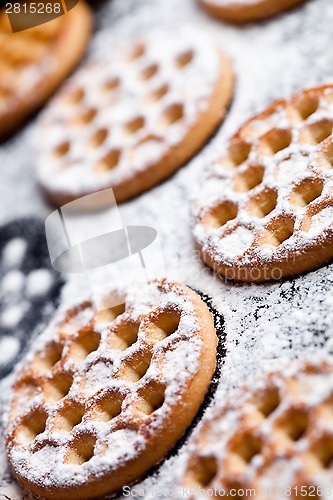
235, 244
139, 127
265, 325
172, 362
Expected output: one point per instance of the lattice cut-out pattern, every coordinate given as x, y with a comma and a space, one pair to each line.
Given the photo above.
263, 431
276, 173
122, 116
108, 386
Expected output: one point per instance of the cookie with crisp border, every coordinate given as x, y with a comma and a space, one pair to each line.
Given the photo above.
244, 11
265, 210
103, 396
272, 438
130, 121
34, 62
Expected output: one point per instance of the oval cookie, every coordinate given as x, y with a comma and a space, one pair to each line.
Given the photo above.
266, 209
105, 395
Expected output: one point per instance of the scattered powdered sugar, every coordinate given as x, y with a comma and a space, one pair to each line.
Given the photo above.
265, 325
38, 282
141, 127
321, 221
173, 362
14, 251
236, 243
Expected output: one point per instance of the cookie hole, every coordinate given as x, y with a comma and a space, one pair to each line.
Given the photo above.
306, 106
76, 96
135, 367
109, 161
219, 215
138, 51
269, 402
111, 85
159, 93
184, 59
151, 398
201, 471
124, 336
148, 72
294, 425
81, 450
245, 448
87, 117
58, 387
274, 141
322, 451
163, 324
46, 361
109, 406
32, 425
325, 157
62, 149
317, 132
280, 231
239, 152
252, 177
98, 138
172, 114
69, 417
308, 191
87, 343
133, 126
110, 314
263, 204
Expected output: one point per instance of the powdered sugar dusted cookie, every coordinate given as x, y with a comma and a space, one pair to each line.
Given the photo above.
34, 62
273, 438
132, 120
243, 11
104, 395
266, 210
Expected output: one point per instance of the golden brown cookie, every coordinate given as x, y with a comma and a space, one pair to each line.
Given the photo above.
272, 439
244, 11
129, 122
266, 209
34, 62
103, 396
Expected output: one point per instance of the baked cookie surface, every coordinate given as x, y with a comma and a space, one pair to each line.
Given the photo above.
243, 11
266, 208
273, 438
34, 62
105, 395
130, 121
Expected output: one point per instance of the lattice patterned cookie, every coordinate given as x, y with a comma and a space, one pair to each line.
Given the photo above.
243, 11
266, 210
34, 62
274, 437
105, 395
132, 120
